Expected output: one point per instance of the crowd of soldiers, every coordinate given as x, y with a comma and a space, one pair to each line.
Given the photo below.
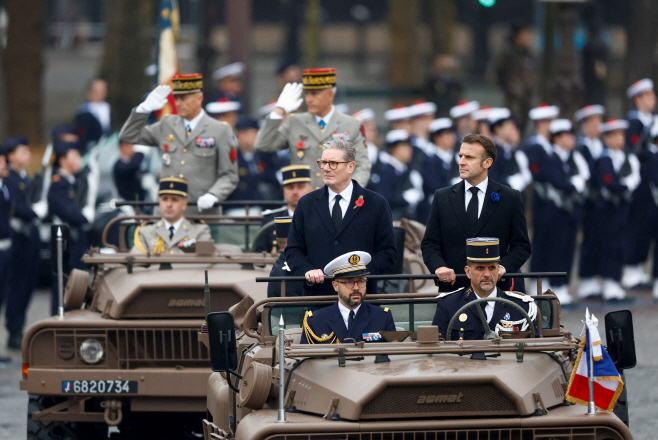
579, 174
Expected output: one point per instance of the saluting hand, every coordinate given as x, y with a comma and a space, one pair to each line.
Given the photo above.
445, 275
315, 276
155, 100
290, 97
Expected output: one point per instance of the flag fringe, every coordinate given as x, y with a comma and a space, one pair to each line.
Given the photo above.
573, 374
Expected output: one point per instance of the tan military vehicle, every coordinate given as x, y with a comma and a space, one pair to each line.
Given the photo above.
413, 386
126, 353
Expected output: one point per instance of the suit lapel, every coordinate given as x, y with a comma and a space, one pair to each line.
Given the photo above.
488, 207
337, 324
200, 128
458, 205
322, 209
162, 232
313, 127
178, 127
357, 191
181, 233
361, 321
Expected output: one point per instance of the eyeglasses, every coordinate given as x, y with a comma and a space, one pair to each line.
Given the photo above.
350, 284
333, 165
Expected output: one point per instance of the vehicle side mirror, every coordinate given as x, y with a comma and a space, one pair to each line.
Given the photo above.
66, 252
223, 347
620, 338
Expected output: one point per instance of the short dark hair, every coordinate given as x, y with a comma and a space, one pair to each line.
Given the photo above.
485, 142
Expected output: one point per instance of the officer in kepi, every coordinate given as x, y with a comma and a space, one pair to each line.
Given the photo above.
173, 233
280, 267
482, 255
350, 318
194, 146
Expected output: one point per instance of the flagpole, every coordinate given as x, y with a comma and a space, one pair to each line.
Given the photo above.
591, 407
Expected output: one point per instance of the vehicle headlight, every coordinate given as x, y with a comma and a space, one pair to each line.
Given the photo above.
91, 351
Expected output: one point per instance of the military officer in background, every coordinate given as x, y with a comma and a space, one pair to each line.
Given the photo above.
350, 317
5, 232
462, 115
511, 166
280, 267
296, 184
305, 133
194, 146
482, 257
367, 118
173, 233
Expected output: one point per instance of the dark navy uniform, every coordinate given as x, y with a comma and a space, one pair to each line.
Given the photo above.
22, 272
266, 241
249, 169
503, 314
392, 180
5, 235
326, 326
510, 167
280, 268
127, 177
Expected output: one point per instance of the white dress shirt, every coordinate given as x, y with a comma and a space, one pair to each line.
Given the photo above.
175, 225
489, 308
345, 312
346, 195
195, 121
482, 186
326, 117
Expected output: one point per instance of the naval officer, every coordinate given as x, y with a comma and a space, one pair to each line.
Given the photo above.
305, 133
482, 257
194, 146
350, 317
173, 233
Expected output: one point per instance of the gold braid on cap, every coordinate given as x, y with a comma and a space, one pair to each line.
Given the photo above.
311, 337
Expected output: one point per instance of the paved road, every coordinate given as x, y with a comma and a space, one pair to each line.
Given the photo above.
641, 381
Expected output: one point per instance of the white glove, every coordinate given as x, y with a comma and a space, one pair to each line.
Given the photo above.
90, 213
40, 209
291, 97
155, 100
206, 201
412, 196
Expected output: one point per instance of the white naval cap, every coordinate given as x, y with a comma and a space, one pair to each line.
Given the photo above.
342, 108
222, 105
560, 126
464, 108
589, 110
639, 87
543, 112
614, 124
440, 124
367, 114
498, 114
421, 108
397, 113
394, 136
482, 113
349, 265
233, 69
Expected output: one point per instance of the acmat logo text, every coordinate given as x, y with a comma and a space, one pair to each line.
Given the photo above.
440, 398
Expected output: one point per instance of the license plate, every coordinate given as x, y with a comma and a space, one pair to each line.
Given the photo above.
99, 386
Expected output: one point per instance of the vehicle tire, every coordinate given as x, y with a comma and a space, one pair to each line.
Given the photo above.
49, 430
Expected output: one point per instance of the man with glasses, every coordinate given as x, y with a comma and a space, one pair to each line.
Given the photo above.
350, 317
305, 133
337, 218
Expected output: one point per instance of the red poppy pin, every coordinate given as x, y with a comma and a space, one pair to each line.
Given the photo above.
166, 147
234, 155
359, 202
300, 145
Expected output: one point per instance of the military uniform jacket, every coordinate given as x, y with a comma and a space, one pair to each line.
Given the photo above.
313, 241
448, 304
206, 158
444, 243
5, 229
328, 326
266, 240
281, 269
302, 135
154, 238
22, 215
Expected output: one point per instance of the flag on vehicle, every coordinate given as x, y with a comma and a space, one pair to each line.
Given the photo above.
607, 383
165, 52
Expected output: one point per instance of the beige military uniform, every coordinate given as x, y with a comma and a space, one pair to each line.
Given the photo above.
206, 158
302, 135
154, 238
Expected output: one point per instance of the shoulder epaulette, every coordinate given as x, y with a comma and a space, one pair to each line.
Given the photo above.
444, 294
386, 309
518, 295
311, 337
291, 115
56, 178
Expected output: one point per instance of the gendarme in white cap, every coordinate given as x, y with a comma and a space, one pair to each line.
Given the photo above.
543, 112
349, 265
464, 108
560, 126
638, 87
614, 124
589, 110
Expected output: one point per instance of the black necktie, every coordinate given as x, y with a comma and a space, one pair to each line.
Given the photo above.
350, 320
171, 232
482, 306
337, 213
472, 209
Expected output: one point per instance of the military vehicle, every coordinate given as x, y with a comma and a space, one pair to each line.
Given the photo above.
126, 353
415, 385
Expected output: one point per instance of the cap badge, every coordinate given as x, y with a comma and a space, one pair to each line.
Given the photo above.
354, 259
487, 251
294, 174
171, 185
463, 317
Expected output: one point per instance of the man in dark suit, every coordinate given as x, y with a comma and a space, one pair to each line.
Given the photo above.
475, 206
337, 218
482, 270
349, 317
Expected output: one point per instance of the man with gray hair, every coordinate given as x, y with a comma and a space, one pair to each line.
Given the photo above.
338, 218
305, 133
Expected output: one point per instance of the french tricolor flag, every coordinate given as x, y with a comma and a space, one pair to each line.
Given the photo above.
607, 383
